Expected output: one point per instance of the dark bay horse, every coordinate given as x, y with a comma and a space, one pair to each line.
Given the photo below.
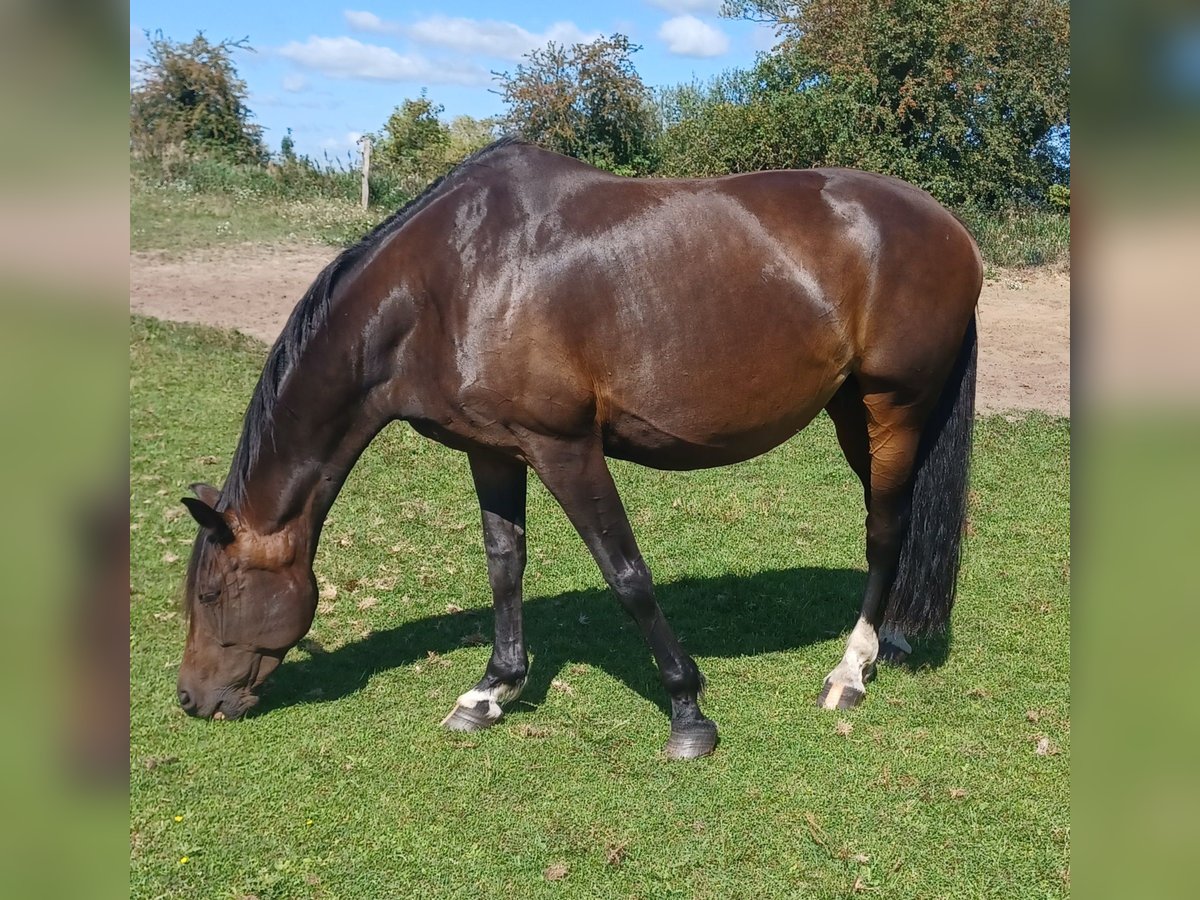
535, 312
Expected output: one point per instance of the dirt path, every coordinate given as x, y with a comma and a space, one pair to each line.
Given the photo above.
1024, 320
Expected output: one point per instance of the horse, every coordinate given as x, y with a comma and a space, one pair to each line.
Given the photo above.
537, 313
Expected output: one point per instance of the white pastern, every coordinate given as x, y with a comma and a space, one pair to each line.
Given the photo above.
495, 698
861, 650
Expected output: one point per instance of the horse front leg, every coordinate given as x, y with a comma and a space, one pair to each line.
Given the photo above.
500, 484
577, 474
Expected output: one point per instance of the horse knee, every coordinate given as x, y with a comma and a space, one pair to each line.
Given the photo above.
634, 587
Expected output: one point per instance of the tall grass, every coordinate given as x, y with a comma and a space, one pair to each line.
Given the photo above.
200, 203
297, 179
1020, 238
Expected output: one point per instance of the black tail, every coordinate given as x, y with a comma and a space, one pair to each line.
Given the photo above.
927, 574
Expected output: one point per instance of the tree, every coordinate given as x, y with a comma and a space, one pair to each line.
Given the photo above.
189, 99
961, 96
287, 148
468, 134
585, 101
414, 140
741, 121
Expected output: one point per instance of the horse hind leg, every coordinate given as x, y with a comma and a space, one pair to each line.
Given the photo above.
849, 415
891, 433
894, 647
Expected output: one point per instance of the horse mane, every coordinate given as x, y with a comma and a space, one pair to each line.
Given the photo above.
311, 314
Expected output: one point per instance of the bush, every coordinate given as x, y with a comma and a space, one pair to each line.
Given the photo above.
585, 101
1060, 197
189, 101
968, 99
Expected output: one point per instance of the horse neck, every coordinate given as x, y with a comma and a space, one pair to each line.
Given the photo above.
322, 419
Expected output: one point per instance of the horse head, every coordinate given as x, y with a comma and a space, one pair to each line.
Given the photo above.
250, 598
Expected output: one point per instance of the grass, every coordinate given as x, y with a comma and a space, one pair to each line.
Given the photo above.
344, 785
173, 216
1018, 239
201, 203
212, 204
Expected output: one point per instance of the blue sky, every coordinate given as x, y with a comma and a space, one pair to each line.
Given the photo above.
331, 71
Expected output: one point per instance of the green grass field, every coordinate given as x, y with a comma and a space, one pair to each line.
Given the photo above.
951, 781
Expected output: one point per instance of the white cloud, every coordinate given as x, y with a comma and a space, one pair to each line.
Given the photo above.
344, 57
503, 40
679, 7
294, 82
366, 21
347, 141
688, 36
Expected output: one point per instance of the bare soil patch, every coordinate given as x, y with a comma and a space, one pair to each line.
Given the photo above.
1024, 317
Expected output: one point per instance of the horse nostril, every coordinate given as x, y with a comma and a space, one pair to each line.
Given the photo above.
185, 699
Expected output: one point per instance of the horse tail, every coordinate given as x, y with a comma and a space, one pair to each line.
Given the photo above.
927, 573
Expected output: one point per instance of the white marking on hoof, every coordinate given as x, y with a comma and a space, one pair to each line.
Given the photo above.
890, 634
863, 646
861, 650
494, 700
834, 695
473, 698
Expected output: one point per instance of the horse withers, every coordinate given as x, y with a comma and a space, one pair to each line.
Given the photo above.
537, 313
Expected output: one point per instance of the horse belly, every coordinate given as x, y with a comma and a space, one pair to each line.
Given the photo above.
706, 428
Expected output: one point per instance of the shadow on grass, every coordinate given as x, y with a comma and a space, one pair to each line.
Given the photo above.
728, 616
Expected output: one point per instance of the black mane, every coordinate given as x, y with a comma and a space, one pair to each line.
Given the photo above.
310, 315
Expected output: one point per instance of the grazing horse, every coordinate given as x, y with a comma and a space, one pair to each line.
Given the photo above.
537, 313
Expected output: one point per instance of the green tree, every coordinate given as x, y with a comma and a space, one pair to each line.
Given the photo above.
188, 100
468, 134
741, 121
287, 148
414, 140
586, 101
959, 96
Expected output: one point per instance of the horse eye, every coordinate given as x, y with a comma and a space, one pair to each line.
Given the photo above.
209, 596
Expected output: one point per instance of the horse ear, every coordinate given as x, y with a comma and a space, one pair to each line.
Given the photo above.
206, 492
209, 518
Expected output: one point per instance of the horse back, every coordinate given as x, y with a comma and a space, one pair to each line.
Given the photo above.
691, 322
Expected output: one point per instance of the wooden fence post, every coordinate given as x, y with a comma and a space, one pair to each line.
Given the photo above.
366, 153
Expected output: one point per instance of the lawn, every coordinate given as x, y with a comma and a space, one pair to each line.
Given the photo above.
951, 781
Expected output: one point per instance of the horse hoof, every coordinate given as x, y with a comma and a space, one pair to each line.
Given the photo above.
840, 696
696, 740
469, 718
891, 654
